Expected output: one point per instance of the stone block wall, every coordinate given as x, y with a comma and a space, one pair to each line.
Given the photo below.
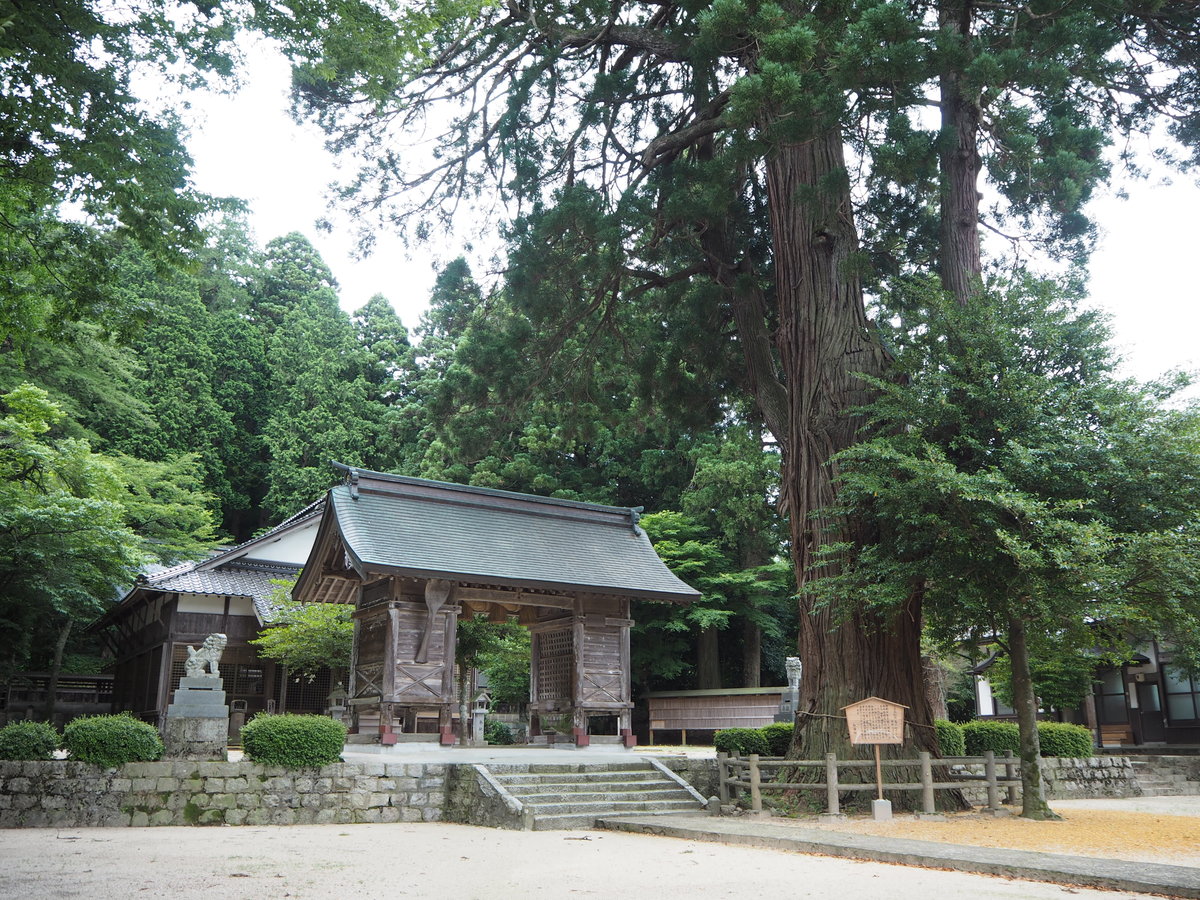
1096, 777
179, 792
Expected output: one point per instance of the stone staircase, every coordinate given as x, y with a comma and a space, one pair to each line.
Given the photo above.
551, 796
1160, 775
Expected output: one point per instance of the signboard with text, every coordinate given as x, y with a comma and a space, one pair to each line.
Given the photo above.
875, 721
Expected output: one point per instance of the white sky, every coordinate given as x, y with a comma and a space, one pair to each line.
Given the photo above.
248, 146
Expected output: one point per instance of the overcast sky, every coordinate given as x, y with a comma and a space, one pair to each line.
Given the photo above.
1144, 272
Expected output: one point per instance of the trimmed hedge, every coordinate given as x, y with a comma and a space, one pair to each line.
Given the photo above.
1065, 739
293, 741
112, 741
28, 740
1056, 738
982, 735
950, 738
779, 737
741, 741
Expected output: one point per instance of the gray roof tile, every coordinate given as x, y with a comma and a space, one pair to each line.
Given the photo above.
429, 528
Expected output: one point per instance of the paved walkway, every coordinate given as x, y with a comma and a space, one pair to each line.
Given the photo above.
1112, 874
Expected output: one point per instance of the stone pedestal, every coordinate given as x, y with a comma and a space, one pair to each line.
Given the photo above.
197, 725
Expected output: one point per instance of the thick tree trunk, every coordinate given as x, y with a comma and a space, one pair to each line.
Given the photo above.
960, 258
708, 660
60, 646
751, 655
824, 339
1033, 800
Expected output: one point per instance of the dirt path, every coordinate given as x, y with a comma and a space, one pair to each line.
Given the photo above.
1167, 831
456, 861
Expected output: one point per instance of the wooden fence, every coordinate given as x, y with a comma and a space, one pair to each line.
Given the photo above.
746, 774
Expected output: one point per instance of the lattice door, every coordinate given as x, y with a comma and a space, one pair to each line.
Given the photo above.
556, 660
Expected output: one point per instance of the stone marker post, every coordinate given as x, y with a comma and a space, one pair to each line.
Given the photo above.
197, 724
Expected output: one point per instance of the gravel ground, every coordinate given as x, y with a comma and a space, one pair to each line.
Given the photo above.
1149, 829
458, 861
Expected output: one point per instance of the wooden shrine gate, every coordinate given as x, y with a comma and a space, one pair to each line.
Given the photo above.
415, 555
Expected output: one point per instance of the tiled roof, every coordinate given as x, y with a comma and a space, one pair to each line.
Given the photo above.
430, 528
225, 573
237, 579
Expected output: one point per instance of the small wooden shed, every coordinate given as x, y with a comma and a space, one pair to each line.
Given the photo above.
413, 555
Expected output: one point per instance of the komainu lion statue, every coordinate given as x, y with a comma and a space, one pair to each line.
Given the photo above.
208, 656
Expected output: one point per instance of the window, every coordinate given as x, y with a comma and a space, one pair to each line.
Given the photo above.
1110, 698
1183, 702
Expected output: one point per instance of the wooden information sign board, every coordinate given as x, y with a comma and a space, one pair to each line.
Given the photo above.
876, 721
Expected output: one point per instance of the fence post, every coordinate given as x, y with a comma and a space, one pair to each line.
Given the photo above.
1010, 772
755, 781
989, 771
723, 777
926, 783
831, 785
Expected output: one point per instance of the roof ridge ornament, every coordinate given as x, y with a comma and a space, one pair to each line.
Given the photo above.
635, 516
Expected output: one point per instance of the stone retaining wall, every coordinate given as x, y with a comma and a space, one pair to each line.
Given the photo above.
178, 792
1096, 777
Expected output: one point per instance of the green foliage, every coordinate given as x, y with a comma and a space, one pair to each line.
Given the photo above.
293, 741
505, 661
983, 735
1065, 739
1056, 738
74, 524
951, 738
306, 637
779, 737
72, 132
741, 741
496, 732
28, 740
110, 741
1061, 679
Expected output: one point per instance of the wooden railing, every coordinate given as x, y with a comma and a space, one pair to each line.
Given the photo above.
745, 773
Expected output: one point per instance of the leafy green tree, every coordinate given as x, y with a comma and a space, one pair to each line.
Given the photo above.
1004, 488
67, 526
321, 407
72, 131
480, 642
306, 637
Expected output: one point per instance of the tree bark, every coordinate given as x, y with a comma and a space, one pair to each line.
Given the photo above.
60, 646
751, 654
708, 660
1033, 800
824, 339
959, 254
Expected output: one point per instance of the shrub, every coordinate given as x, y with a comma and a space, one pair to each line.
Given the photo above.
741, 741
496, 732
779, 737
982, 735
950, 738
293, 741
112, 740
1063, 739
28, 740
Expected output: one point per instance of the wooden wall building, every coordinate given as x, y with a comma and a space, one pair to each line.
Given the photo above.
147, 634
414, 555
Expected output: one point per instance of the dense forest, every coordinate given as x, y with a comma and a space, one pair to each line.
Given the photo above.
746, 287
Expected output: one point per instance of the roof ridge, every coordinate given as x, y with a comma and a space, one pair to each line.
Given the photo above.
355, 473
309, 511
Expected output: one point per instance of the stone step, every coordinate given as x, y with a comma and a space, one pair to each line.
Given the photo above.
560, 768
582, 784
586, 818
663, 793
